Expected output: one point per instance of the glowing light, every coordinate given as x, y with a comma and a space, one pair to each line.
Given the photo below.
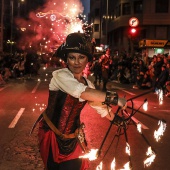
151, 157
139, 127
39, 80
91, 155
126, 166
113, 164
127, 148
158, 133
100, 166
23, 29
159, 92
145, 106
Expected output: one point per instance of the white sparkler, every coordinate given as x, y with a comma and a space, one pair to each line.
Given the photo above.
91, 155
100, 166
127, 148
158, 133
151, 157
139, 127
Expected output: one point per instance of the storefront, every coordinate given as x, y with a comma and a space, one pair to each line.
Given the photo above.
154, 47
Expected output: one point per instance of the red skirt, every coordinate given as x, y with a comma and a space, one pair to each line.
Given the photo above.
47, 139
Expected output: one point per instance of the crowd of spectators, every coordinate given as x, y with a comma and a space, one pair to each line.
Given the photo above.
126, 70
123, 69
17, 66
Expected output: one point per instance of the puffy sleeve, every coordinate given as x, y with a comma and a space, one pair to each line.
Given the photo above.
64, 80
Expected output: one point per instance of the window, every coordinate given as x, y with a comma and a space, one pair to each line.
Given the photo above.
138, 7
96, 27
126, 9
161, 6
96, 12
117, 11
161, 32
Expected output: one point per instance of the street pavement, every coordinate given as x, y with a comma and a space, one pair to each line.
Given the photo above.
19, 150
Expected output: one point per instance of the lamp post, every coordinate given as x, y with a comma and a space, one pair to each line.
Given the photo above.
107, 4
12, 19
2, 26
20, 2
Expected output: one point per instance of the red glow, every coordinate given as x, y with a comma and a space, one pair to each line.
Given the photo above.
133, 30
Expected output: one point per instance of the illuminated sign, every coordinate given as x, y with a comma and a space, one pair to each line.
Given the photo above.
154, 43
133, 22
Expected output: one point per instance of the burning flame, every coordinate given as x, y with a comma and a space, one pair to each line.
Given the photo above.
139, 127
127, 148
113, 164
158, 133
151, 157
91, 155
100, 166
145, 106
126, 166
160, 96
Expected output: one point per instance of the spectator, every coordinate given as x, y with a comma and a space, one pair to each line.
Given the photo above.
96, 69
2, 82
146, 83
106, 61
162, 78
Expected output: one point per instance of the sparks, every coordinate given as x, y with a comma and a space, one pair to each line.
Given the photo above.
160, 96
113, 164
91, 155
100, 166
126, 166
139, 127
150, 157
127, 148
158, 133
145, 106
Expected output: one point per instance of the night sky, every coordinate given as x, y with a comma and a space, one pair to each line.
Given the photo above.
86, 4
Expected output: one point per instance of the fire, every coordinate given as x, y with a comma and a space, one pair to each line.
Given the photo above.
145, 106
100, 166
151, 157
91, 155
126, 166
127, 148
113, 164
158, 133
160, 96
139, 127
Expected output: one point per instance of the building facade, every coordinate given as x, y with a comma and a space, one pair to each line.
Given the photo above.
152, 33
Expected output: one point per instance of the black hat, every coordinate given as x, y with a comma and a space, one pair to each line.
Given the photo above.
75, 42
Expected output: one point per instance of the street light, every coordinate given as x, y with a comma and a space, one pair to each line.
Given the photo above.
19, 6
12, 19
2, 26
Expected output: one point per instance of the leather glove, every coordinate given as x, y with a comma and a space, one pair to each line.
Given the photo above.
117, 120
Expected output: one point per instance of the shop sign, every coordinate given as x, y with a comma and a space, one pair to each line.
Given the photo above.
154, 43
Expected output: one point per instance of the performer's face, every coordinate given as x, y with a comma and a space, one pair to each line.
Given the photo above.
76, 62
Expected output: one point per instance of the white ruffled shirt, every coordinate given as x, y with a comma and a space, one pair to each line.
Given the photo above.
64, 80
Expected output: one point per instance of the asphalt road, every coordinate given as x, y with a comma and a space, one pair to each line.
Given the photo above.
22, 101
